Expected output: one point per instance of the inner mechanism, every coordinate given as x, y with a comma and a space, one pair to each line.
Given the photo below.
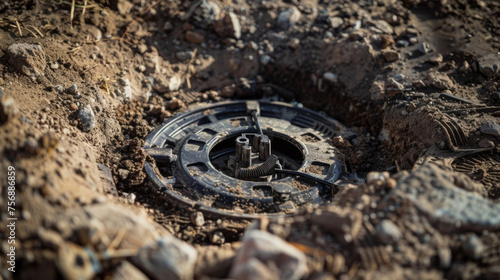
248, 157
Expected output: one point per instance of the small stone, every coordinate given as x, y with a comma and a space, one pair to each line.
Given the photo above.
424, 48
374, 177
131, 198
491, 129
266, 59
175, 83
413, 40
288, 18
73, 106
294, 43
336, 22
266, 256
168, 26
87, 117
73, 89
197, 219
404, 113
418, 84
388, 232
386, 41
175, 104
384, 26
142, 48
194, 37
54, 65
402, 43
217, 238
489, 64
123, 173
141, 68
436, 59
391, 55
182, 56
228, 26
329, 76
167, 258
474, 247
253, 46
59, 89
27, 58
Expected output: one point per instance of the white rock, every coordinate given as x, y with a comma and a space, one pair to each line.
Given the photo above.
329, 76
167, 258
289, 17
175, 83
261, 251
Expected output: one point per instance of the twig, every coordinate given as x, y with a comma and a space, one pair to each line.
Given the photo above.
187, 74
75, 49
116, 241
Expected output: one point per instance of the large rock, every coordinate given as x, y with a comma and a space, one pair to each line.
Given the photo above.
266, 256
491, 129
27, 58
167, 258
433, 191
439, 80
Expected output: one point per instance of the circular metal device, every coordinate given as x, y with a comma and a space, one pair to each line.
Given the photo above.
246, 158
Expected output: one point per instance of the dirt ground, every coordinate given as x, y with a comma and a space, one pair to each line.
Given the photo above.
82, 83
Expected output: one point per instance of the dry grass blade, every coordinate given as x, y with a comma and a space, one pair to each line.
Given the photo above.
36, 29
19, 28
72, 14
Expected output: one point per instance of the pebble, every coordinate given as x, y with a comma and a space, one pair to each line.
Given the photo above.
356, 36
73, 106
130, 198
141, 68
194, 37
336, 22
491, 128
73, 89
394, 86
87, 117
288, 18
266, 256
294, 43
402, 43
168, 26
217, 238
54, 65
391, 55
384, 26
266, 59
413, 40
123, 173
436, 59
27, 58
424, 48
174, 83
329, 76
197, 219
167, 258
444, 255
388, 232
175, 104
386, 41
473, 247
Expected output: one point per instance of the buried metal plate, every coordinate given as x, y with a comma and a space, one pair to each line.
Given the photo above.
246, 158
